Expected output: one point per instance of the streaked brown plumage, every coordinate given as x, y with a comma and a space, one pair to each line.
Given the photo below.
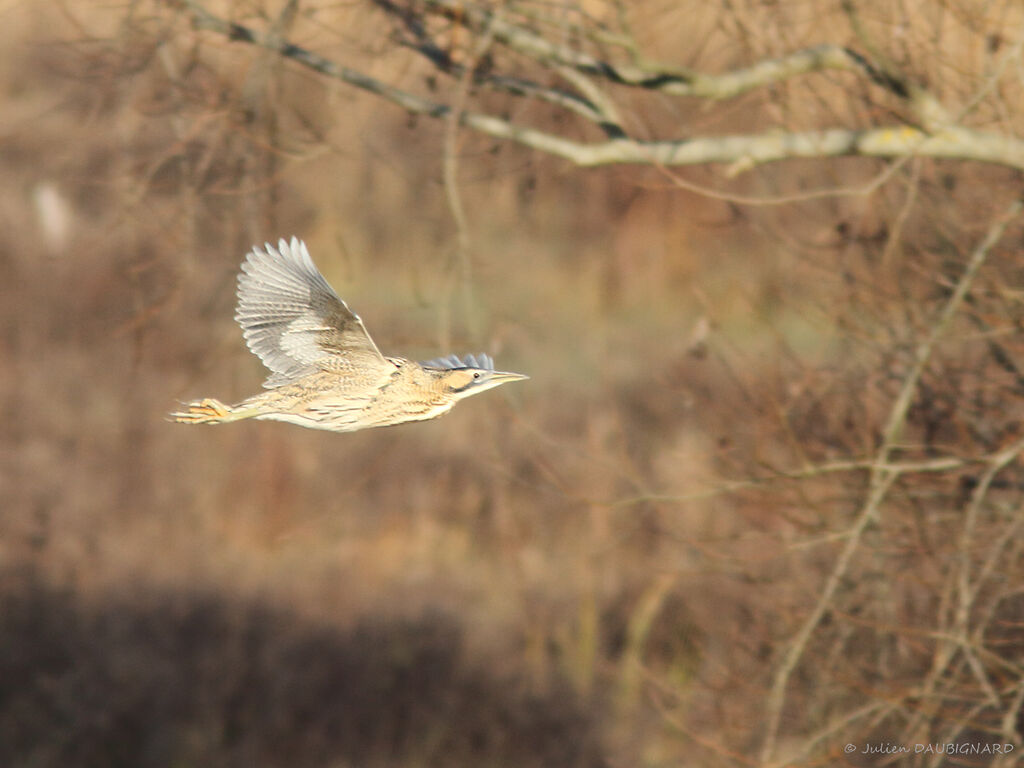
326, 372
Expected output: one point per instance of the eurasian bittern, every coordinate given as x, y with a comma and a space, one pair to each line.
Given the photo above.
326, 372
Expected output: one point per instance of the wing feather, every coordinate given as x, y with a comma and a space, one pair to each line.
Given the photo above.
451, 362
294, 321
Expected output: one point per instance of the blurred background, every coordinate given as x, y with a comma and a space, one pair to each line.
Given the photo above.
634, 558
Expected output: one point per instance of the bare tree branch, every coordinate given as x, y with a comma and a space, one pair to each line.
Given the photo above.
740, 151
675, 81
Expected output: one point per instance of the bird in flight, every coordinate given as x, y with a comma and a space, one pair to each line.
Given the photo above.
326, 371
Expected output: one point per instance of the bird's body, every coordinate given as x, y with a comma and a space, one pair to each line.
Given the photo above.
326, 372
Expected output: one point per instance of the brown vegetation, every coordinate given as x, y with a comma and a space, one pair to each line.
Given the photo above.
192, 679
762, 497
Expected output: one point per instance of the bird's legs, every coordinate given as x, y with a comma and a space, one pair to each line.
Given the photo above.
211, 411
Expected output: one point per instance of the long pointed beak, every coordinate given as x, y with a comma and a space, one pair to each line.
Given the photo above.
501, 377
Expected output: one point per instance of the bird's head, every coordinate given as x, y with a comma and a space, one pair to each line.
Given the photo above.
470, 374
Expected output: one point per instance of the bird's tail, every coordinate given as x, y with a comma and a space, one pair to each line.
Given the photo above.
210, 411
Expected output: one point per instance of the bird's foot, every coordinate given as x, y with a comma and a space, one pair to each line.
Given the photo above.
205, 411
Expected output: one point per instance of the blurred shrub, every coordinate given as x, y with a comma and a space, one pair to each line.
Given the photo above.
158, 679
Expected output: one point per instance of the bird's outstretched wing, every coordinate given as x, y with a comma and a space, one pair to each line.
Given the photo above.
295, 322
482, 361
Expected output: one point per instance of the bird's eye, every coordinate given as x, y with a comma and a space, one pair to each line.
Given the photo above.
476, 375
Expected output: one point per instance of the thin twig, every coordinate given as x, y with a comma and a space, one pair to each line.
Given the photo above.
450, 174
947, 464
879, 483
